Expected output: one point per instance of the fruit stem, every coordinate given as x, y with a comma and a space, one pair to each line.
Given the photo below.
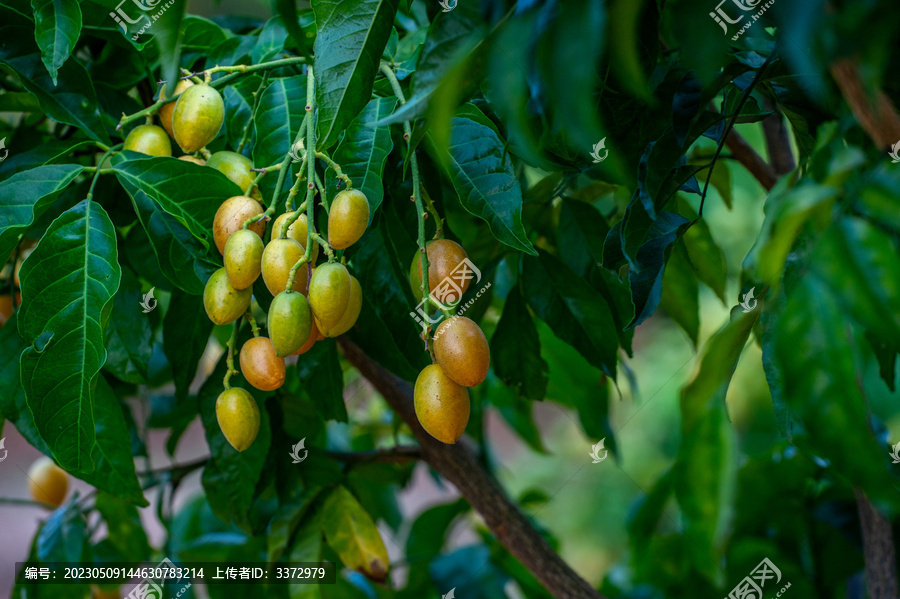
295, 190
256, 98
339, 174
253, 324
326, 203
99, 171
318, 239
229, 359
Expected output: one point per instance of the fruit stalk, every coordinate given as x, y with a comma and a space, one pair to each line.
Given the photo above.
229, 358
339, 174
253, 326
99, 171
282, 173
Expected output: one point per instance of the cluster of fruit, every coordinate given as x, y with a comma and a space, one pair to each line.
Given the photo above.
460, 350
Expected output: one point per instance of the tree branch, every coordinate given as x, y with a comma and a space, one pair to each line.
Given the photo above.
778, 142
482, 491
877, 115
878, 549
401, 453
752, 161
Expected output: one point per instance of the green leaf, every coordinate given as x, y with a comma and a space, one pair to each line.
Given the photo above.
707, 258
516, 349
352, 534
580, 235
322, 380
364, 149
705, 475
281, 110
351, 38
271, 41
238, 104
124, 528
57, 27
24, 197
190, 192
309, 546
680, 293
576, 313
287, 9
167, 33
427, 536
186, 330
71, 100
46, 153
129, 340
198, 37
284, 522
68, 284
482, 173
63, 537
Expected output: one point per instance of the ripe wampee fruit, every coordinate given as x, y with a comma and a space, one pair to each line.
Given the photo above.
237, 168
348, 218
230, 217
47, 482
150, 140
348, 318
329, 294
260, 366
243, 256
462, 351
198, 117
311, 340
444, 256
223, 303
165, 113
278, 259
442, 406
238, 417
297, 231
289, 323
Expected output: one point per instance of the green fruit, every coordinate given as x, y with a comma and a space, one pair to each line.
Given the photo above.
329, 294
348, 218
260, 366
238, 417
289, 322
278, 259
462, 351
224, 304
234, 166
348, 319
442, 406
243, 258
150, 140
165, 113
198, 117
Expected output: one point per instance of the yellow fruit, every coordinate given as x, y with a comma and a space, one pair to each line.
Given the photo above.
311, 340
260, 366
415, 280
193, 159
297, 231
165, 113
278, 259
462, 351
224, 304
329, 294
150, 140
444, 256
238, 417
230, 217
442, 406
47, 482
234, 166
348, 218
197, 118
348, 319
243, 256
289, 322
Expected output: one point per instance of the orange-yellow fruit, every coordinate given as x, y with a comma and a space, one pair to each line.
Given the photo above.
223, 303
260, 366
243, 258
297, 231
193, 159
462, 351
165, 113
198, 117
234, 166
415, 280
278, 259
150, 140
238, 417
442, 406
329, 294
444, 256
348, 218
230, 217
289, 322
47, 482
311, 340
348, 319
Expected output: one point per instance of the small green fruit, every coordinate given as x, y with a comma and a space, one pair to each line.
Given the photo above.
223, 303
198, 117
329, 294
243, 258
238, 417
289, 322
150, 140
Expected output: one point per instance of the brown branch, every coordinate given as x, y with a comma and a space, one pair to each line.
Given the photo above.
459, 466
877, 115
752, 161
778, 142
400, 453
878, 549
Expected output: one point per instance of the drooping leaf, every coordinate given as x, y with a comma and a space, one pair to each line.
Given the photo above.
322, 380
57, 26
68, 284
25, 196
124, 528
350, 40
482, 174
281, 110
186, 330
352, 534
516, 349
128, 337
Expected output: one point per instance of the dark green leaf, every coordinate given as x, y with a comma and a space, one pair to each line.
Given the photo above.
57, 26
287, 9
186, 330
128, 337
124, 528
271, 41
516, 349
63, 537
45, 153
580, 235
238, 104
68, 284
427, 536
351, 38
680, 293
322, 380
167, 33
283, 524
281, 110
